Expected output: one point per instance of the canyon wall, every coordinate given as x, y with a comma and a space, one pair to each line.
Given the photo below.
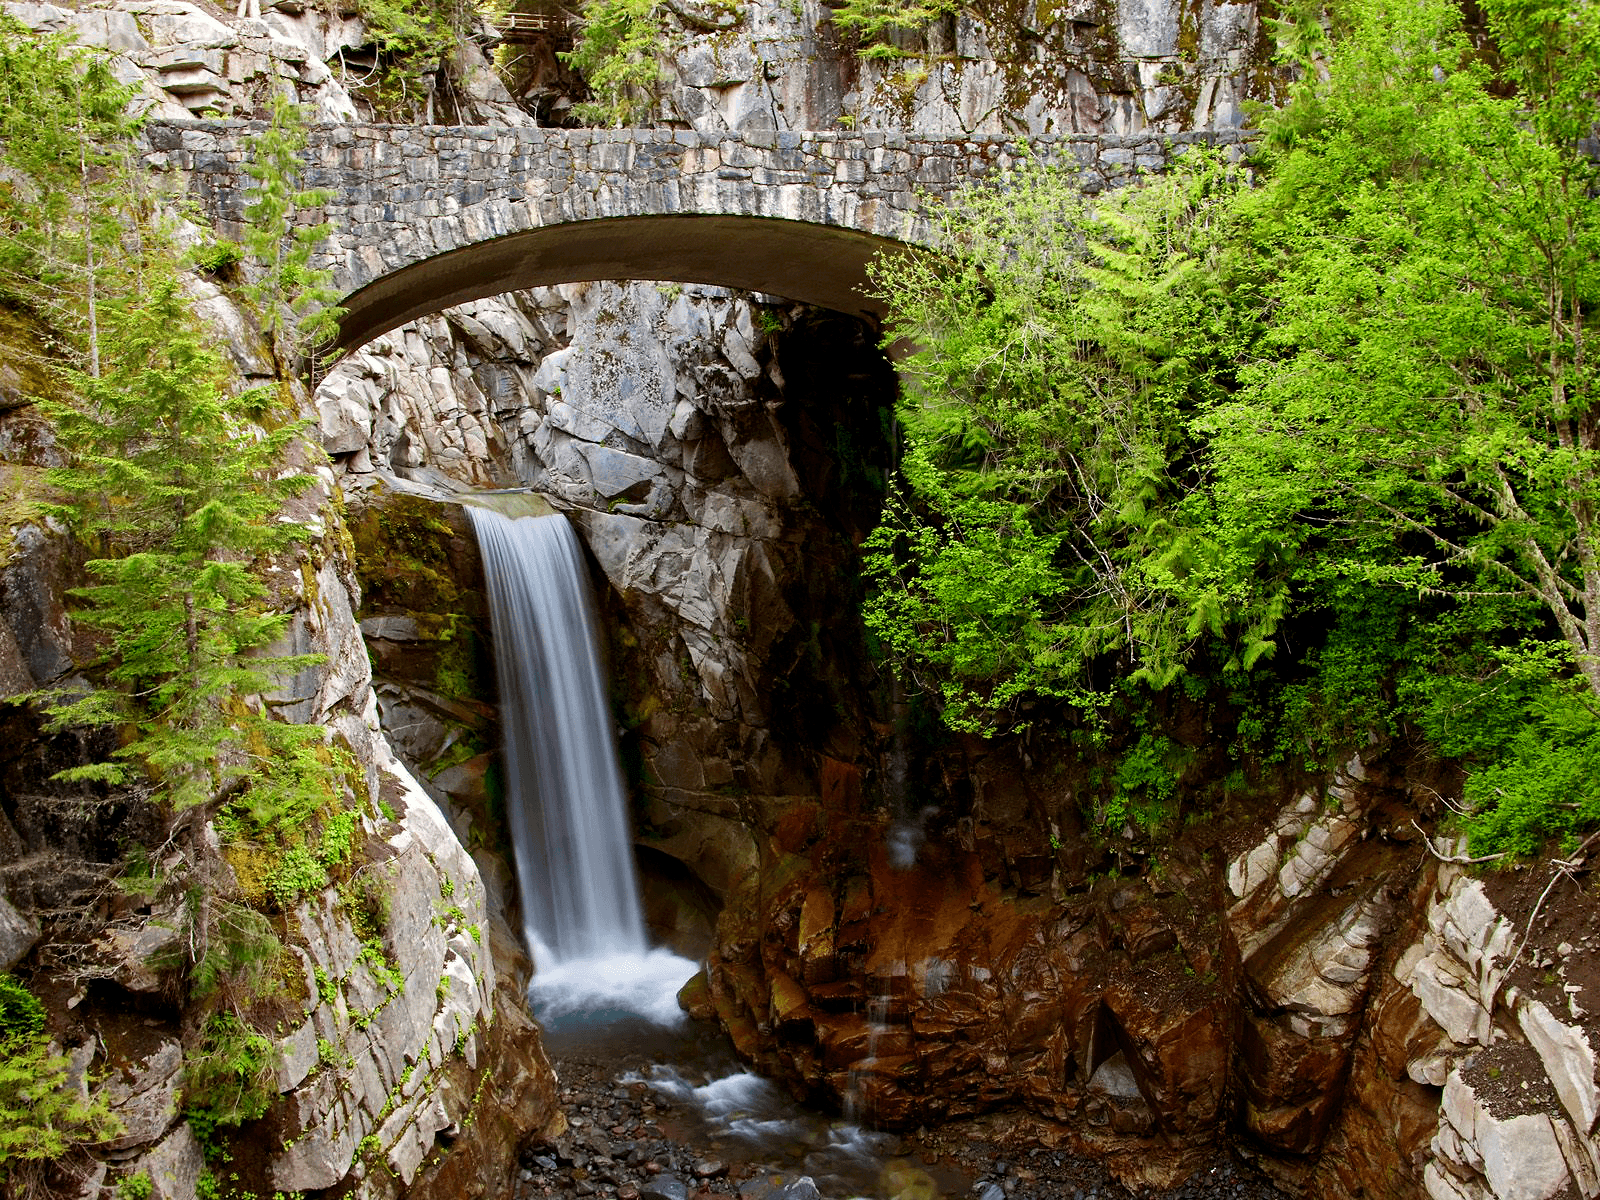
403, 1055
1300, 973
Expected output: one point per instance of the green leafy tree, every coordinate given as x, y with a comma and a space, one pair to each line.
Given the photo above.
618, 50
1330, 440
1040, 522
1423, 377
1420, 413
418, 41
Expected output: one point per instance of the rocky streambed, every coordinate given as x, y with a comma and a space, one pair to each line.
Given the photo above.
670, 1115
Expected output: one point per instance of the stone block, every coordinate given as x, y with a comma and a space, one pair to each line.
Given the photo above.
174, 1166
1521, 1155
297, 1056
1440, 1184
1445, 994
116, 31
144, 1096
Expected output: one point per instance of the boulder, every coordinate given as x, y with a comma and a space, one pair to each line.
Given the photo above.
1568, 1060
138, 955
33, 586
18, 934
144, 1095
174, 1166
1519, 1155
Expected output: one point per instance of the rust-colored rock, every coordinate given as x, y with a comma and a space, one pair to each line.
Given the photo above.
1263, 996
934, 991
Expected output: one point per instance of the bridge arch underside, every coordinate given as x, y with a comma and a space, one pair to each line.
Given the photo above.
825, 265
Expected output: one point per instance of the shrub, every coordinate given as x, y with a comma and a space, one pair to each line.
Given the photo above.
242, 951
43, 1112
228, 1079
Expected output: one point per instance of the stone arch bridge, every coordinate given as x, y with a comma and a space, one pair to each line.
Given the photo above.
426, 217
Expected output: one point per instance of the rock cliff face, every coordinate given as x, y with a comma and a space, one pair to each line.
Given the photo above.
385, 1046
1087, 66
720, 511
195, 59
399, 1030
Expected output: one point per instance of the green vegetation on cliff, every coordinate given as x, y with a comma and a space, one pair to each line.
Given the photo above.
174, 483
42, 1115
618, 50
1318, 442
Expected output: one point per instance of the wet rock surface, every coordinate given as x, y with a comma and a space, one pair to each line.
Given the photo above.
631, 1140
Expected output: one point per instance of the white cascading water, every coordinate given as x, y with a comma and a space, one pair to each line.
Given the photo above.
565, 802
569, 827
564, 796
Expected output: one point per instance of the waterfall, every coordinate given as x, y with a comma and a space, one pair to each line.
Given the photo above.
564, 797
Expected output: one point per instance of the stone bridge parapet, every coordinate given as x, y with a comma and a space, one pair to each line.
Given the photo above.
426, 216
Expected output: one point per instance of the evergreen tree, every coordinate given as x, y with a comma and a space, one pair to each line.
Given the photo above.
66, 182
42, 1115
618, 50
294, 299
181, 495
176, 483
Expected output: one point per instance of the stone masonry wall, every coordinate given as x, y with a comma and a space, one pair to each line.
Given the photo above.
403, 193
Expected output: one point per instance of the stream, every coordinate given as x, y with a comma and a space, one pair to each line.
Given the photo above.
660, 1108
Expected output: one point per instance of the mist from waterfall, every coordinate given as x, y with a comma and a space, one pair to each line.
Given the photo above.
565, 802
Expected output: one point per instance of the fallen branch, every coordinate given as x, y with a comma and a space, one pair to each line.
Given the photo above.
1562, 871
1576, 861
1462, 859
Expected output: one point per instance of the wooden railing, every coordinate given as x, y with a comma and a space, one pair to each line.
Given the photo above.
526, 26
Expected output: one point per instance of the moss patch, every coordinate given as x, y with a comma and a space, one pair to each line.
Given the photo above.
403, 557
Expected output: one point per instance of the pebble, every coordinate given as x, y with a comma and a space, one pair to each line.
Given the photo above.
665, 1187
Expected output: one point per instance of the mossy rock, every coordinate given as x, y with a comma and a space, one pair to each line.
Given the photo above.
403, 554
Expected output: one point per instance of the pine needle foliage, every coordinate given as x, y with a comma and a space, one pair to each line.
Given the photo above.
879, 27
66, 180
295, 299
176, 483
43, 1115
180, 494
229, 1079
419, 43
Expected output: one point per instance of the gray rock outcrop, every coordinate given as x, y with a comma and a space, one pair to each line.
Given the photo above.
392, 1036
189, 60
